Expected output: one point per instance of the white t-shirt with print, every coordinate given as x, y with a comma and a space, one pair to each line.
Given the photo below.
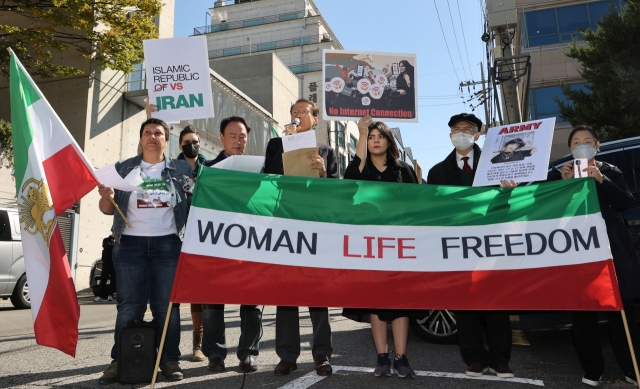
150, 212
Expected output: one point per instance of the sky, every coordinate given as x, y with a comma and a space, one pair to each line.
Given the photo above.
408, 26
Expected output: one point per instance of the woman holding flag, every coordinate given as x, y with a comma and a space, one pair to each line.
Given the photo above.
377, 160
148, 237
614, 197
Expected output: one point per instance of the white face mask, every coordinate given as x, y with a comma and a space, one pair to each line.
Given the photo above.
462, 141
584, 151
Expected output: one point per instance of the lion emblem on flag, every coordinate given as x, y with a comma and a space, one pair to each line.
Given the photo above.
33, 208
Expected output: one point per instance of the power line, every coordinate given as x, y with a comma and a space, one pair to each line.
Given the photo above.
464, 38
453, 27
445, 41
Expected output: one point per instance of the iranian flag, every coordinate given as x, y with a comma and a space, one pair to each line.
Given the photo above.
277, 240
51, 174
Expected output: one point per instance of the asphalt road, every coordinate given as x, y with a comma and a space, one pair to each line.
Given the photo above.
541, 357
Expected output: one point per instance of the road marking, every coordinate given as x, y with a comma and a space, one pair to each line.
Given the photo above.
312, 378
518, 338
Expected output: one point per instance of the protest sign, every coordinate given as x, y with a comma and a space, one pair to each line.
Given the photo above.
361, 83
293, 241
516, 152
178, 78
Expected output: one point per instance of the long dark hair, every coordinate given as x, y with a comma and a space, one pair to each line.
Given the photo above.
408, 68
392, 150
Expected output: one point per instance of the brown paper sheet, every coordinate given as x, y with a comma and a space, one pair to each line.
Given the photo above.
297, 163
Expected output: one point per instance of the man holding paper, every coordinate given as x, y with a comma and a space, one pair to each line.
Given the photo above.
234, 131
323, 162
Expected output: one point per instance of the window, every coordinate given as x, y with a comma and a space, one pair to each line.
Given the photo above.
353, 144
340, 129
305, 41
232, 51
542, 102
266, 46
253, 22
290, 16
218, 27
549, 26
341, 165
299, 69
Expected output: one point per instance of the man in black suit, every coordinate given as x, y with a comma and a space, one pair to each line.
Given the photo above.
234, 132
459, 168
287, 318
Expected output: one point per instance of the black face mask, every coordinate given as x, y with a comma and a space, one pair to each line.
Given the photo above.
190, 150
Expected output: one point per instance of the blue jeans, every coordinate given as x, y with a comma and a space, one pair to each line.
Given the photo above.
214, 342
145, 269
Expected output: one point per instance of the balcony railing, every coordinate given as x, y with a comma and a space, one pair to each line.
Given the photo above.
305, 67
247, 23
222, 3
268, 46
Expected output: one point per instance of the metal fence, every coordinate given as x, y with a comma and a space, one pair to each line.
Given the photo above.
247, 23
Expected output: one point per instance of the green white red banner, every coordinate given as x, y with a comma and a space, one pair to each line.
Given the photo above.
276, 240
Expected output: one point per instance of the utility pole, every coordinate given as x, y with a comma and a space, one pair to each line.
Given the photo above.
509, 87
484, 99
486, 102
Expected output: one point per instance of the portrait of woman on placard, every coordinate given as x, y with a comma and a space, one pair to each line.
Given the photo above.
514, 150
404, 95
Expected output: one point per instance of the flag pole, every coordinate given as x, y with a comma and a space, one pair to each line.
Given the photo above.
164, 335
633, 353
119, 211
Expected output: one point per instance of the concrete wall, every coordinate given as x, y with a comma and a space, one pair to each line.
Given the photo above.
265, 79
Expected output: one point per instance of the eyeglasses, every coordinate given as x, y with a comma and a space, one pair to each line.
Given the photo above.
296, 113
466, 130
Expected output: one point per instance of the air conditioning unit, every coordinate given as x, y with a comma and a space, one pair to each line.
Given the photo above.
502, 13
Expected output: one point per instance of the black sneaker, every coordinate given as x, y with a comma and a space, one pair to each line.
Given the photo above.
384, 366
401, 365
109, 375
216, 364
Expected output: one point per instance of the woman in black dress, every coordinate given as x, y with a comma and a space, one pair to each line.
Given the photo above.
614, 197
377, 160
405, 86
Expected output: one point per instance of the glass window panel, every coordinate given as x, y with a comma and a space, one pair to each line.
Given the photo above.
291, 16
572, 18
545, 40
253, 22
232, 51
543, 104
305, 41
266, 46
597, 11
569, 37
540, 23
299, 69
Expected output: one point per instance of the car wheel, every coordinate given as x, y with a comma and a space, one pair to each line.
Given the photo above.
20, 297
439, 326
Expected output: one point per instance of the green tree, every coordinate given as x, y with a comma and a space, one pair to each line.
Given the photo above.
610, 59
6, 144
108, 31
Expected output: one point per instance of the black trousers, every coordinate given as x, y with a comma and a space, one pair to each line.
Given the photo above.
288, 333
214, 342
108, 273
470, 337
586, 339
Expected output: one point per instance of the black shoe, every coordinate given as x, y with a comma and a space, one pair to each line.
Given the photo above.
284, 367
109, 375
248, 364
216, 364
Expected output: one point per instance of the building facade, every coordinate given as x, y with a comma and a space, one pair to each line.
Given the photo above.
545, 29
296, 32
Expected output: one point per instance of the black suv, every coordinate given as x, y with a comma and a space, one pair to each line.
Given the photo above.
440, 325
